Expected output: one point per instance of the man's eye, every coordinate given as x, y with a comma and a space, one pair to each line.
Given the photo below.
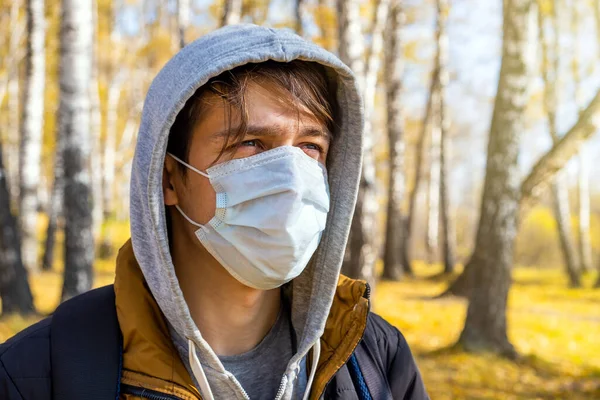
313, 146
249, 143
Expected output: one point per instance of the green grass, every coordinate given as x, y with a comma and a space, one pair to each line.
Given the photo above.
556, 330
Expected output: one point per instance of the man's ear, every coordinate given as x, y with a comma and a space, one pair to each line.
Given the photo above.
168, 182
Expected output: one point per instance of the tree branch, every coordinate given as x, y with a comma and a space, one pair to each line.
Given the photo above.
558, 156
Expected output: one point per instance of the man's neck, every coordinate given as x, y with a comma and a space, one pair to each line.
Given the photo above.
233, 318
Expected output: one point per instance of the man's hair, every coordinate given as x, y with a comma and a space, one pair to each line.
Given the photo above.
303, 83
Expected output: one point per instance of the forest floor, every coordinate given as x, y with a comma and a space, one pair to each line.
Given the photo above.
555, 329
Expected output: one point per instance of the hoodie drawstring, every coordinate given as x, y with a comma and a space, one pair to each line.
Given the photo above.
199, 372
313, 368
205, 387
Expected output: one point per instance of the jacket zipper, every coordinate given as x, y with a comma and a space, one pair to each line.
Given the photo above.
146, 393
366, 295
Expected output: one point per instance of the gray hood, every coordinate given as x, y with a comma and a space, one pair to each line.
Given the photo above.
209, 56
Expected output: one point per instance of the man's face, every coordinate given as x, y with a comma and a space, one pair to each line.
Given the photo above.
272, 122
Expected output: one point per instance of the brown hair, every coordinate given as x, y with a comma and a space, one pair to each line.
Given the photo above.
304, 83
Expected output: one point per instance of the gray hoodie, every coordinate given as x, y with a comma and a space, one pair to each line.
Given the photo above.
311, 292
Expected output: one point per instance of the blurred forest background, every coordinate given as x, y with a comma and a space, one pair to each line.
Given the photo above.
478, 220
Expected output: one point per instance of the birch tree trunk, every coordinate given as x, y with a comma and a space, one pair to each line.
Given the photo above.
327, 25
299, 13
13, 151
437, 199
394, 69
542, 172
183, 20
351, 51
105, 186
232, 12
418, 175
362, 244
96, 132
125, 156
485, 325
433, 199
110, 144
560, 202
74, 115
14, 55
559, 189
14, 287
597, 18
448, 229
583, 186
56, 206
448, 235
31, 132
351, 42
585, 246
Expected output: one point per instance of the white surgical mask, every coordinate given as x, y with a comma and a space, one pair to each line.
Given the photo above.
270, 214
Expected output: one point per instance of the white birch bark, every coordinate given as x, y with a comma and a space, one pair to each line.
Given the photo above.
31, 132
369, 179
559, 190
433, 195
583, 191
351, 43
490, 264
110, 143
76, 36
583, 186
351, 48
232, 12
373, 66
299, 11
124, 155
56, 206
446, 220
12, 153
363, 243
420, 150
183, 20
96, 132
394, 69
106, 150
17, 28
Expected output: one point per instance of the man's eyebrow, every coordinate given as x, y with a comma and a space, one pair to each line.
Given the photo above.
262, 130
312, 131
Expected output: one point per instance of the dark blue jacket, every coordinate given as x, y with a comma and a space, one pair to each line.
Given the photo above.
75, 354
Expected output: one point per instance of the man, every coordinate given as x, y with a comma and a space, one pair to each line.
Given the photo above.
243, 187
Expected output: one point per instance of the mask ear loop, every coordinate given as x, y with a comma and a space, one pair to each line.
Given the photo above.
191, 221
179, 160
